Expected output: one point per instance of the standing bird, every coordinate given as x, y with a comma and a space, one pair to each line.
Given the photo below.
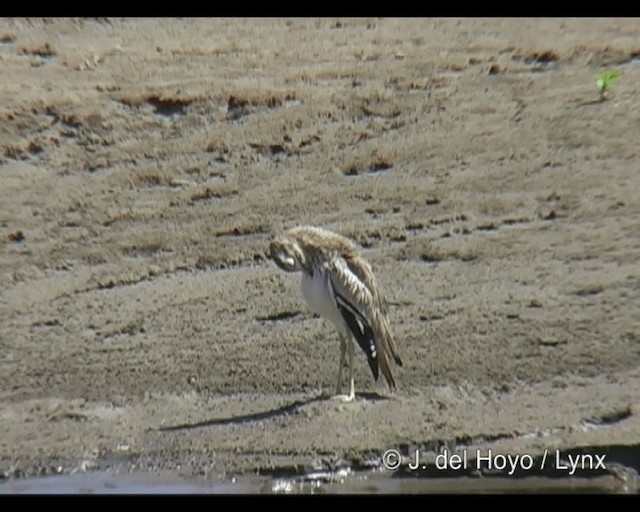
339, 285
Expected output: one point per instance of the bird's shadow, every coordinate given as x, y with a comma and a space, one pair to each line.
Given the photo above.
268, 414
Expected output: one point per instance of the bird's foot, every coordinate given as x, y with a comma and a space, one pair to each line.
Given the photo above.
344, 398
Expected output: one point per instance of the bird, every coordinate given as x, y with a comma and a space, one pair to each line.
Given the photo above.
339, 285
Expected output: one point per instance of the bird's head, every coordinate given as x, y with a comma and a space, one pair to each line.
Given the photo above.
287, 254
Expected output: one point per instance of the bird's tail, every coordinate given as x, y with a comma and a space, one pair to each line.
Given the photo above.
386, 349
386, 370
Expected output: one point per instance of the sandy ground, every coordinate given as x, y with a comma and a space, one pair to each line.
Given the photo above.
145, 164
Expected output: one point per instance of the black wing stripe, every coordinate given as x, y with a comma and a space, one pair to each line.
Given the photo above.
361, 331
362, 323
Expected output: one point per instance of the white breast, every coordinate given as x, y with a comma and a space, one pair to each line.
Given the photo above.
316, 292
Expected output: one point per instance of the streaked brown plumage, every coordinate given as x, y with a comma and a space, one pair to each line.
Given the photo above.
340, 286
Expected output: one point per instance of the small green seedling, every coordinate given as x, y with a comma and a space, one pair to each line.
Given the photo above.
606, 80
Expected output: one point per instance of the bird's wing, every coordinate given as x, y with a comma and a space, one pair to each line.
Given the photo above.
358, 303
363, 270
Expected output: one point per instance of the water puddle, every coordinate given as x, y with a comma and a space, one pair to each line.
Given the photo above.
340, 482
108, 483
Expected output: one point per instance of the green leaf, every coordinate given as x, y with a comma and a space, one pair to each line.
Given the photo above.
606, 79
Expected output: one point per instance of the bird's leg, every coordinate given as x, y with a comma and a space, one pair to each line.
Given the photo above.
352, 392
352, 395
343, 350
